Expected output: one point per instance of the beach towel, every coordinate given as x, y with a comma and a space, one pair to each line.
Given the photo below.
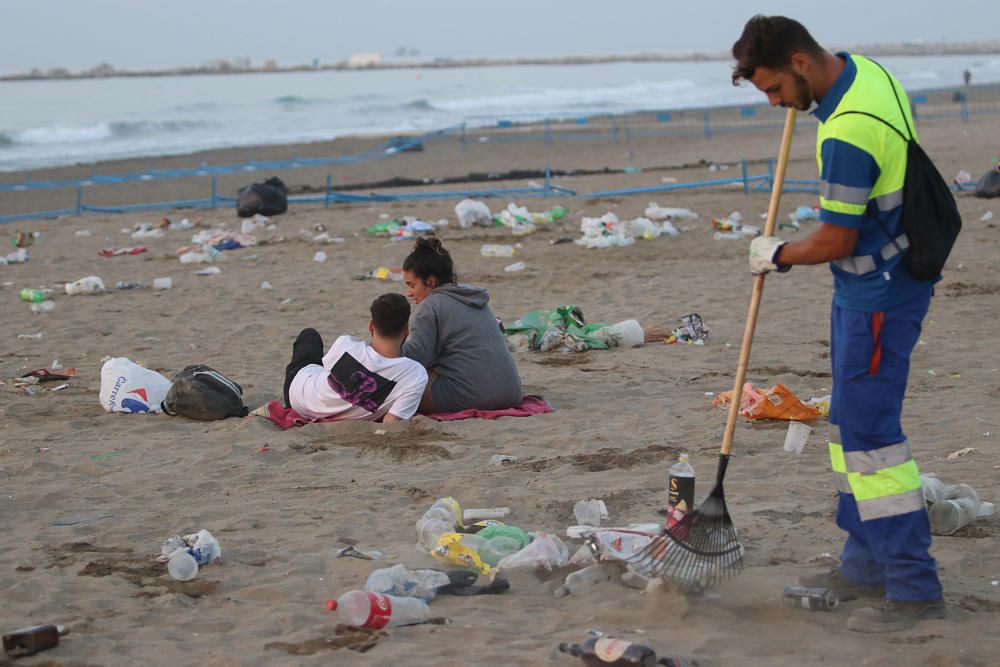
286, 418
530, 405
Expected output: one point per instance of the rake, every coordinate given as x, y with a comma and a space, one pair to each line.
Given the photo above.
703, 549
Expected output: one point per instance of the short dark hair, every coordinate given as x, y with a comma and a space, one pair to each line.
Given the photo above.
429, 258
390, 313
770, 41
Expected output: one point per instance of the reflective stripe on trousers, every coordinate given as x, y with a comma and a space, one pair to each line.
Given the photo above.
884, 482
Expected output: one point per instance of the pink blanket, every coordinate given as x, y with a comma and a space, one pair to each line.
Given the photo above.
287, 418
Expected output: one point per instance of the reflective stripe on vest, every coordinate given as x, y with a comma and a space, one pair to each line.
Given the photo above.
862, 264
884, 482
839, 468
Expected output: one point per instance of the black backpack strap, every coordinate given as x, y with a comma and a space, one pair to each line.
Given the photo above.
896, 95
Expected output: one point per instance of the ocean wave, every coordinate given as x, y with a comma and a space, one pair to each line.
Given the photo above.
411, 106
81, 134
300, 101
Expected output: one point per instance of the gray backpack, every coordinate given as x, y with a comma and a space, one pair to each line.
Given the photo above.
201, 392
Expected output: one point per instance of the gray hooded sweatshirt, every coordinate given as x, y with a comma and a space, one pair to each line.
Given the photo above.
454, 333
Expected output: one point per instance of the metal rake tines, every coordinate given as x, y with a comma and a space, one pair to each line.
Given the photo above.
699, 552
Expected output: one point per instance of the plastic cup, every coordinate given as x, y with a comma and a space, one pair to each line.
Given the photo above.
182, 566
795, 438
588, 512
163, 283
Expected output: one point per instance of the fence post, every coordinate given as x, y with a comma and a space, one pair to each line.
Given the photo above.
326, 193
214, 200
548, 132
548, 178
79, 200
746, 183
628, 137
708, 125
965, 108
614, 127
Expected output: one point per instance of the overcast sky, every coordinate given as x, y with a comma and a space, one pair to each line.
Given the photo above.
133, 34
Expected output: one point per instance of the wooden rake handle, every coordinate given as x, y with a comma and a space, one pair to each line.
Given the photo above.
758, 285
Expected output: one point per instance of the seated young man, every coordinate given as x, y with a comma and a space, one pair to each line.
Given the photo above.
357, 380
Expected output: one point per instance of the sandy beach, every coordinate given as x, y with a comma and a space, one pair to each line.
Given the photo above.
281, 503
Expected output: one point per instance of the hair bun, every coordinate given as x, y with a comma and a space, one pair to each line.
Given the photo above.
429, 243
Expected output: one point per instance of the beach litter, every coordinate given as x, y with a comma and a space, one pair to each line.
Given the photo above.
965, 451
115, 251
351, 551
502, 459
185, 555
564, 328
778, 402
28, 641
471, 212
88, 285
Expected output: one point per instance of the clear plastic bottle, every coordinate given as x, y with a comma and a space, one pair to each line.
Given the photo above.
955, 511
402, 582
43, 307
583, 580
375, 610
680, 490
442, 517
494, 250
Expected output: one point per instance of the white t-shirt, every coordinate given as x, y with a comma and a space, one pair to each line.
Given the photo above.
356, 382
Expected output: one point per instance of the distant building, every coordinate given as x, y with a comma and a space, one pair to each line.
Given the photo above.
364, 59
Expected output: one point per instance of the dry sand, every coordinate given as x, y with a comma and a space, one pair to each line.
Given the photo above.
282, 502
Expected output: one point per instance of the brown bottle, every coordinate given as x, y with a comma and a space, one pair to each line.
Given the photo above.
33, 640
611, 652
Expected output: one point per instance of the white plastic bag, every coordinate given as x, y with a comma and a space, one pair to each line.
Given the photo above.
546, 552
128, 387
472, 212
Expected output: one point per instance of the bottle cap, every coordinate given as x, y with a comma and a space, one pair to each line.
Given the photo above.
331, 604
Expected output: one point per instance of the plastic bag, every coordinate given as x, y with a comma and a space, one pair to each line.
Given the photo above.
471, 212
776, 403
989, 185
545, 552
267, 198
128, 387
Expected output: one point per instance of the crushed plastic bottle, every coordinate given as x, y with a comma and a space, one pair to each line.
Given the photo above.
583, 580
199, 549
401, 582
495, 250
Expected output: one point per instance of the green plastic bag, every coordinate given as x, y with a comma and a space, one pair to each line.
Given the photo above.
567, 319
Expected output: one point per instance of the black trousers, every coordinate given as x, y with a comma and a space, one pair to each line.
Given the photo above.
307, 349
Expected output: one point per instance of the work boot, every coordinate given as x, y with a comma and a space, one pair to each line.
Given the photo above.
894, 615
845, 589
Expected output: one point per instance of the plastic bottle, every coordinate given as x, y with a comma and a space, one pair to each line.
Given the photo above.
43, 307
375, 610
583, 580
950, 514
34, 295
545, 552
680, 490
401, 582
516, 266
494, 250
123, 284
720, 236
442, 517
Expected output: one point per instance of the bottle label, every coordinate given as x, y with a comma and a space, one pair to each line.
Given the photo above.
609, 649
680, 498
381, 610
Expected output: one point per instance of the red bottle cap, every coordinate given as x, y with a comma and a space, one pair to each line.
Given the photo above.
331, 604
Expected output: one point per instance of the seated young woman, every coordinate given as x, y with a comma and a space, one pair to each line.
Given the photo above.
455, 335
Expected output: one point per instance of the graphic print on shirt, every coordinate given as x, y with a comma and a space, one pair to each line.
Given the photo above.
357, 385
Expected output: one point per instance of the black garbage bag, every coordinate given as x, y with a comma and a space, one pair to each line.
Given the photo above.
267, 198
203, 393
989, 185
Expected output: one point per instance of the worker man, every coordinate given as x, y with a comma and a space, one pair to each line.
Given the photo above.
877, 311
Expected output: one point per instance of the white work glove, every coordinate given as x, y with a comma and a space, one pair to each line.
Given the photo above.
763, 250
